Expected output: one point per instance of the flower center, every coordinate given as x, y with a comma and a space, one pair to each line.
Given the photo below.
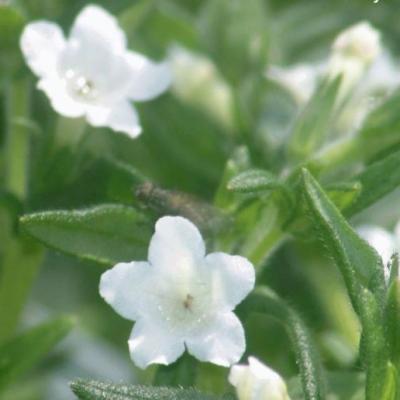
188, 302
81, 87
185, 309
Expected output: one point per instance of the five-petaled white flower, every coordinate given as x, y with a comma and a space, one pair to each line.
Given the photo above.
92, 73
257, 381
181, 298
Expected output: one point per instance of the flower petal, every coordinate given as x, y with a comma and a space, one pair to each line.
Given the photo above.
149, 344
59, 98
95, 20
232, 277
221, 342
41, 44
148, 79
176, 243
124, 288
121, 117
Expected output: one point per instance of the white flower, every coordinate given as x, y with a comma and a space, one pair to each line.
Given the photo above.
353, 51
92, 73
181, 298
360, 41
257, 381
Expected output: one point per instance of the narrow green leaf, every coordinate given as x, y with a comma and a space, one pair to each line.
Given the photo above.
390, 384
380, 131
106, 234
313, 125
254, 180
377, 180
362, 271
264, 300
392, 316
237, 163
94, 390
21, 353
343, 194
359, 263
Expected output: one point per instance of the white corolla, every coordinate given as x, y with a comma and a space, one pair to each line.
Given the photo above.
257, 381
92, 73
181, 298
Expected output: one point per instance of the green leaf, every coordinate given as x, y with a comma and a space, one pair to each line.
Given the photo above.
239, 45
390, 384
380, 131
377, 180
106, 234
254, 180
314, 124
237, 163
362, 270
392, 314
344, 194
359, 263
94, 390
264, 300
21, 353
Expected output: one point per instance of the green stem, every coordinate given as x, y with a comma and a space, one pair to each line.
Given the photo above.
265, 301
266, 236
17, 138
20, 264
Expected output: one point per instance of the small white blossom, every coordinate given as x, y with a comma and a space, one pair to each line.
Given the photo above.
180, 298
360, 41
92, 73
353, 52
257, 381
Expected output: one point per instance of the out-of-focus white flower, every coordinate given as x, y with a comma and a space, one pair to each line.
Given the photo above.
196, 80
181, 298
353, 52
384, 242
360, 41
300, 79
92, 73
257, 381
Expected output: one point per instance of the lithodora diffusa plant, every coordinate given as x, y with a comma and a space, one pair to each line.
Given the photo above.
223, 213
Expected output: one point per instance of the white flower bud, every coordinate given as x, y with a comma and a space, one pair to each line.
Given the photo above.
360, 41
257, 381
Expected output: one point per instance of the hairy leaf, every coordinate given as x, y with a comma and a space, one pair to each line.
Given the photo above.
313, 125
377, 180
94, 390
106, 234
362, 271
254, 180
266, 301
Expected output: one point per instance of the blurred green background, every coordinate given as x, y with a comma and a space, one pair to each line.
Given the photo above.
188, 135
